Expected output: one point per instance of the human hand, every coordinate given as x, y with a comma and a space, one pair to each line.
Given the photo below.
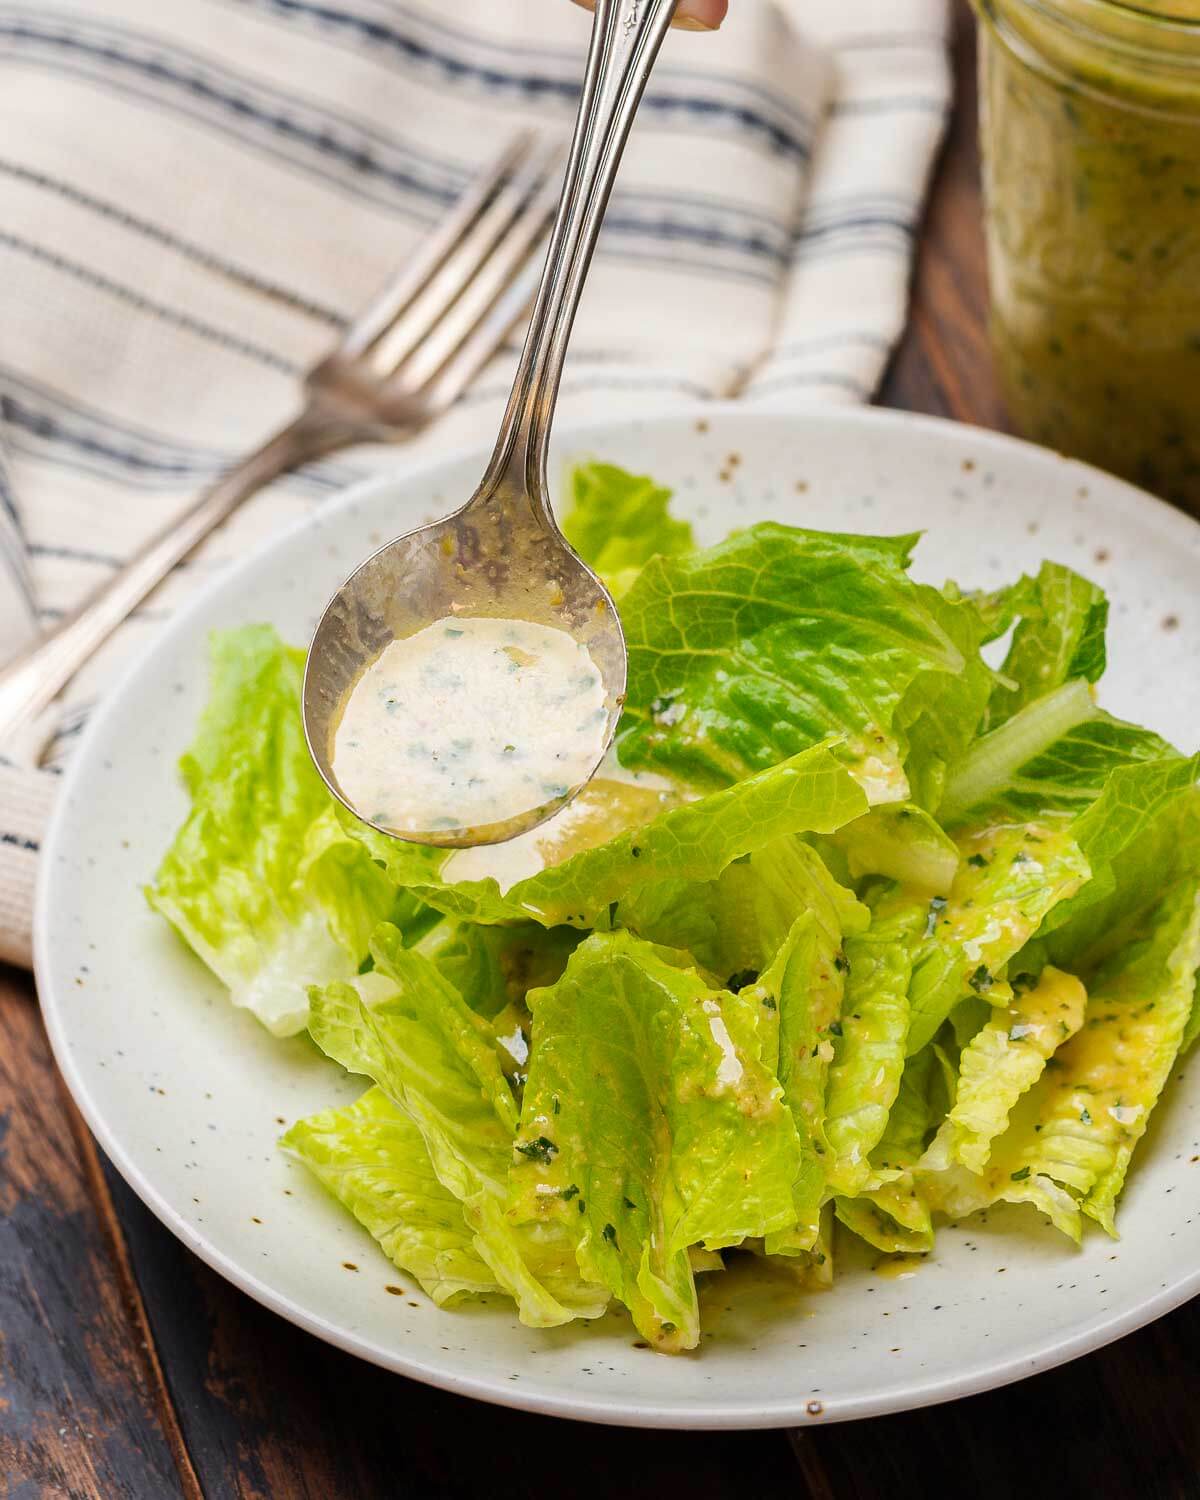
692, 15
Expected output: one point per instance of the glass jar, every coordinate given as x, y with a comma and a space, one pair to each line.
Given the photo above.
1090, 124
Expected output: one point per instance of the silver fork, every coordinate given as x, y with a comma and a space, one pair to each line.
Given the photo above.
402, 362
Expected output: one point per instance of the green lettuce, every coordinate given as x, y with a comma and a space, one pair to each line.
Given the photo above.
907, 935
372, 1158
735, 925
802, 993
1058, 638
1004, 1059
1141, 835
493, 967
892, 1213
259, 880
1132, 799
437, 1061
745, 653
1071, 1138
812, 791
649, 1124
618, 521
902, 842
1055, 755
870, 1040
772, 926
1010, 877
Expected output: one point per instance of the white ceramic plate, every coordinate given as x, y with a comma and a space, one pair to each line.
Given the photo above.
188, 1097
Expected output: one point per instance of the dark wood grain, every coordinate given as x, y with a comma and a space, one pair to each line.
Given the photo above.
1118, 1425
943, 364
268, 1411
130, 1369
80, 1411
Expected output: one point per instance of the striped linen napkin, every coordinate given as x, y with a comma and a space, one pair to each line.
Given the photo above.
199, 193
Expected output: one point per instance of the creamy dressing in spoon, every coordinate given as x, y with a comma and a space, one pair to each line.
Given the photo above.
469, 722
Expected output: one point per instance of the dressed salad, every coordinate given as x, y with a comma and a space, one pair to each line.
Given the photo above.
858, 932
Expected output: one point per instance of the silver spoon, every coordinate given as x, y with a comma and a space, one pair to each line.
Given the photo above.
502, 554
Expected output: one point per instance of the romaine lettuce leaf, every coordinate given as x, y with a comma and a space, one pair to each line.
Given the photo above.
257, 880
648, 1125
771, 926
1133, 799
1071, 1137
802, 991
1059, 638
493, 967
902, 842
1003, 1060
618, 521
735, 925
1055, 755
892, 1214
1140, 836
743, 654
869, 1040
810, 792
372, 1158
436, 1060
1010, 877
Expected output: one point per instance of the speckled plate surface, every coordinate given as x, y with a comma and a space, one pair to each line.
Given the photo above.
188, 1097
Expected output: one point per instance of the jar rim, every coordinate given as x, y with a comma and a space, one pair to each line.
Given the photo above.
1154, 17
1094, 12
1164, 43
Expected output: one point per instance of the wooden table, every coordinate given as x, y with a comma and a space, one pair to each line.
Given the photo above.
127, 1368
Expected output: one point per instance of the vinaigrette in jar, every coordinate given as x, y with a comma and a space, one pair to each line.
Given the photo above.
1090, 124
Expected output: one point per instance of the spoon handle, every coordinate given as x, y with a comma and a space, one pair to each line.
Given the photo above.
626, 36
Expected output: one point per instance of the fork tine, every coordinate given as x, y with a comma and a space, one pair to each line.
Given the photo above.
503, 233
400, 290
487, 336
472, 306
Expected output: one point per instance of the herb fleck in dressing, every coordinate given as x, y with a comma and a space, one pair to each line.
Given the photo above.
470, 722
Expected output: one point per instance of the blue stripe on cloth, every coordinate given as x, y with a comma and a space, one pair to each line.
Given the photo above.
64, 553
770, 240
52, 612
893, 105
855, 223
131, 298
272, 124
343, 152
8, 504
69, 431
818, 343
856, 388
454, 42
168, 239
16, 840
755, 244
735, 209
13, 556
579, 385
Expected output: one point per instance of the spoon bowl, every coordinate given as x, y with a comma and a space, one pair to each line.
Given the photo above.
502, 555
495, 558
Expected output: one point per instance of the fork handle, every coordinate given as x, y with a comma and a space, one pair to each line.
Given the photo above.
626, 37
31, 681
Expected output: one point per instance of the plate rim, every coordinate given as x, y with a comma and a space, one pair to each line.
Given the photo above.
699, 1415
